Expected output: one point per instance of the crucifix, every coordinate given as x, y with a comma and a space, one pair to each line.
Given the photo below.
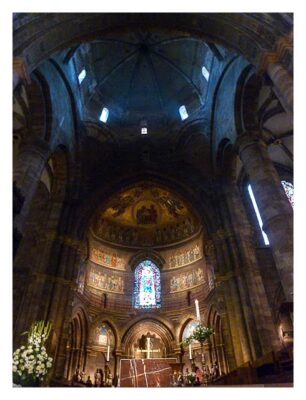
148, 349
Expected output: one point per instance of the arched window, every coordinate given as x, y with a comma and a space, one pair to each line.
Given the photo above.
104, 335
147, 285
189, 328
288, 187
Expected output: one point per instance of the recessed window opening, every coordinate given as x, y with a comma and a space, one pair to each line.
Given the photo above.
205, 72
289, 190
144, 131
183, 112
82, 76
104, 115
265, 237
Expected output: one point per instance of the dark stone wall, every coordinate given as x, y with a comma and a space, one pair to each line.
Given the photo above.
224, 123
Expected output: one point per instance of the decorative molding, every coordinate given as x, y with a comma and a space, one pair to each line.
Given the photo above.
220, 279
283, 48
20, 72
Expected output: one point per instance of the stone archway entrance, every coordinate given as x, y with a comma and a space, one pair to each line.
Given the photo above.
148, 339
149, 345
148, 355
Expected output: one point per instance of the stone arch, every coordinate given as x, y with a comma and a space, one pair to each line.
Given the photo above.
226, 161
76, 352
246, 100
230, 30
60, 169
183, 325
152, 324
100, 319
74, 109
216, 346
141, 255
40, 107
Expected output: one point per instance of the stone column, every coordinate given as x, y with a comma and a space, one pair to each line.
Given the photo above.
275, 210
252, 290
32, 157
283, 85
118, 356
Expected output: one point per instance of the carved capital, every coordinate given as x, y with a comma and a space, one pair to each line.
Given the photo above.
283, 48
247, 139
20, 72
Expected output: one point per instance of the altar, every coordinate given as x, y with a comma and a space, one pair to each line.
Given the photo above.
149, 372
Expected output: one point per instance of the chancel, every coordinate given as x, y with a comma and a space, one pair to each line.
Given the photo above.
153, 199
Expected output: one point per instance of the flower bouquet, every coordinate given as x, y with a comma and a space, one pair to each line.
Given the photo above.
201, 333
31, 362
190, 379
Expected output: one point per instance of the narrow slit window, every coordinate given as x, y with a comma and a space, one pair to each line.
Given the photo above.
82, 76
265, 237
104, 115
183, 112
205, 73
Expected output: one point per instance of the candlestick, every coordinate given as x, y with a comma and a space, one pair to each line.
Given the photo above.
197, 310
190, 352
108, 349
148, 347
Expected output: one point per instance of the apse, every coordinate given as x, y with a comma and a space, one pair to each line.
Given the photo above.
153, 199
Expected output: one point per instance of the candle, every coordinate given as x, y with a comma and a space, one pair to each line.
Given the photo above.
148, 346
108, 349
190, 352
197, 310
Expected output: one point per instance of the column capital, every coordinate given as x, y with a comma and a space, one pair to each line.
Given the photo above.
20, 72
246, 139
35, 145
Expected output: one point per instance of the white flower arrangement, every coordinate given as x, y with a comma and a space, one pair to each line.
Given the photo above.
31, 363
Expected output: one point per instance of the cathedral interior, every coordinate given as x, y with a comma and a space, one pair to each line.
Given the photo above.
153, 191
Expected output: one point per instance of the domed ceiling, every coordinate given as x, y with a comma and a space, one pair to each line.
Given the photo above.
143, 78
145, 215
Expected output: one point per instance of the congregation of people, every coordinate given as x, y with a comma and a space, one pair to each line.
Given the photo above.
196, 377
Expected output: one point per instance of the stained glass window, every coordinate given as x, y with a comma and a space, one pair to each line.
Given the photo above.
147, 285
288, 187
189, 328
